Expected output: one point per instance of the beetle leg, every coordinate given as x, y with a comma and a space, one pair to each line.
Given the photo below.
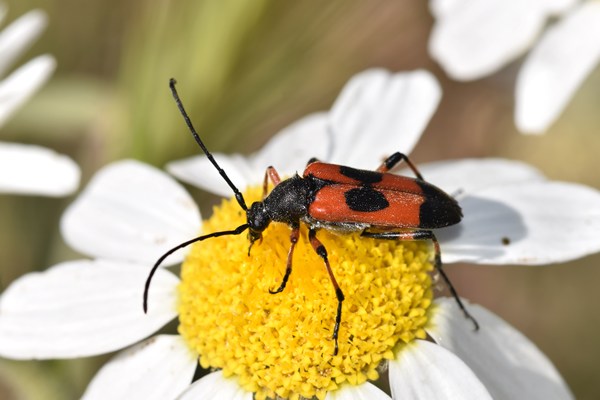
322, 252
312, 160
422, 234
396, 158
288, 269
271, 173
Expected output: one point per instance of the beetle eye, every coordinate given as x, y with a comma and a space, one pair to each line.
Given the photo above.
258, 220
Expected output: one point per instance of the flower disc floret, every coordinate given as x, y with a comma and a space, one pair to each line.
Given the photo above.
280, 344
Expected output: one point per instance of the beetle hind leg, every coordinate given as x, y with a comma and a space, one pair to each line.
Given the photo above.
394, 160
312, 160
422, 234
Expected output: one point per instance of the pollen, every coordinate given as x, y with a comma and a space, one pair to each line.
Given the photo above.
280, 345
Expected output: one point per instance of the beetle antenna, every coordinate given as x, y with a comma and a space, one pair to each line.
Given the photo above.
188, 121
235, 231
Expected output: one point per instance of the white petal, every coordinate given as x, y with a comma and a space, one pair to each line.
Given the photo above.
472, 39
458, 177
379, 113
82, 308
509, 365
199, 172
558, 7
544, 222
366, 391
159, 368
23, 83
568, 52
28, 169
290, 150
19, 35
441, 8
132, 212
216, 386
424, 370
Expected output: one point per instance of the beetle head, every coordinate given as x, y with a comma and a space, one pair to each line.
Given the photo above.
258, 221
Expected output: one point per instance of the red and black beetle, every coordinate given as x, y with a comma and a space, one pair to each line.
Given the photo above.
379, 204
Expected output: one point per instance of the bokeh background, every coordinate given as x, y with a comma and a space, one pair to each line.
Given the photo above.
246, 70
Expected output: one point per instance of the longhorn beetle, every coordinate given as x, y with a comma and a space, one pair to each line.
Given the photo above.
327, 196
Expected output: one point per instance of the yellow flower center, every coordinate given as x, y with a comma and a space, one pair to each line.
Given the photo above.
280, 344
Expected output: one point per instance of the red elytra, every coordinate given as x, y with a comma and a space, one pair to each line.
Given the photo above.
409, 203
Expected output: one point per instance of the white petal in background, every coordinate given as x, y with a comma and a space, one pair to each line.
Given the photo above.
82, 308
28, 169
464, 176
558, 7
131, 212
556, 67
379, 113
216, 386
440, 8
509, 365
200, 172
23, 83
160, 368
423, 371
290, 150
532, 223
18, 36
376, 114
472, 39
365, 391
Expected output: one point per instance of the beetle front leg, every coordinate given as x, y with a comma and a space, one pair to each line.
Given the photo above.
322, 252
288, 269
422, 234
271, 173
396, 158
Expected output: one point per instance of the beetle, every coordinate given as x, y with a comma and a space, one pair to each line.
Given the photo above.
379, 204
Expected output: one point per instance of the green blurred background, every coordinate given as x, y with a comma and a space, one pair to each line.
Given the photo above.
247, 69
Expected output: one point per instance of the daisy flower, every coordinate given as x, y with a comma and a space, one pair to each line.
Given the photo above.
473, 39
28, 169
260, 345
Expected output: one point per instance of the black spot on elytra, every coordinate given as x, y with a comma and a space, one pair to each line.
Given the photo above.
365, 199
366, 177
439, 209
